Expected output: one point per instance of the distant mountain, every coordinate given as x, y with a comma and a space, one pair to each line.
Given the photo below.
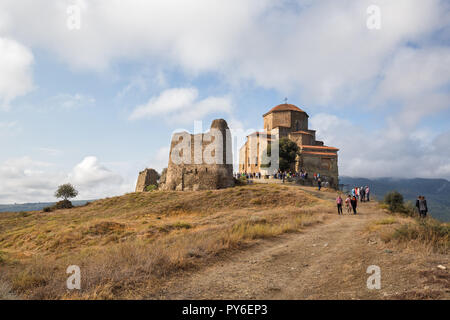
436, 191
35, 206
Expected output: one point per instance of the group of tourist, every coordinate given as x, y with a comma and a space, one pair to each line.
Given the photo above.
361, 193
283, 175
351, 202
246, 175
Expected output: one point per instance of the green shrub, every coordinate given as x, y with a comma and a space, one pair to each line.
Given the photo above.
182, 225
429, 231
151, 187
242, 181
394, 201
410, 209
63, 204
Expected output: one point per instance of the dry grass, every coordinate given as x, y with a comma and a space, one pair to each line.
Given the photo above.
430, 234
5, 292
379, 224
428, 231
127, 246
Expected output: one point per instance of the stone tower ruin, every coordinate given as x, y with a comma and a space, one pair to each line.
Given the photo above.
146, 178
201, 161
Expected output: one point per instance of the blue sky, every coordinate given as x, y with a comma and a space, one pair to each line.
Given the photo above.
95, 105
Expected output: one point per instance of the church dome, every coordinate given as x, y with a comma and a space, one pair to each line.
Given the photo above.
284, 107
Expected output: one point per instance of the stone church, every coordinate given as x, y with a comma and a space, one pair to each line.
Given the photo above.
287, 120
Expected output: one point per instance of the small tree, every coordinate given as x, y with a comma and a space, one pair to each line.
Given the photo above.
288, 151
394, 200
66, 191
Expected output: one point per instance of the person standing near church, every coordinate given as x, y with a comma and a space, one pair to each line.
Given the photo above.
319, 183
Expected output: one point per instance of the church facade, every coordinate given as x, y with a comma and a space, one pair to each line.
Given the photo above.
287, 120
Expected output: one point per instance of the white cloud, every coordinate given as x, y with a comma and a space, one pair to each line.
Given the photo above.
90, 172
321, 51
15, 71
376, 154
181, 105
27, 180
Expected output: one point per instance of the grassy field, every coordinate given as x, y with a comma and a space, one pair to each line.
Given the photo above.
127, 246
130, 247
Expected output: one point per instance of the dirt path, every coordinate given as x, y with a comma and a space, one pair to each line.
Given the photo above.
328, 261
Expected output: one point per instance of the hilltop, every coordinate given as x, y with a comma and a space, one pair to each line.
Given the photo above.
255, 241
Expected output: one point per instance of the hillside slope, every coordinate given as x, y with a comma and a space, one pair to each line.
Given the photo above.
256, 241
328, 261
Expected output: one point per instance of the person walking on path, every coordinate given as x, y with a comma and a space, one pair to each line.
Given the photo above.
319, 183
347, 204
339, 204
367, 193
354, 203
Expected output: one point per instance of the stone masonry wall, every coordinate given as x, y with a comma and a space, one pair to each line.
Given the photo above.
195, 171
146, 178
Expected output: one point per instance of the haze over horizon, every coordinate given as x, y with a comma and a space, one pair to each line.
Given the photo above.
94, 105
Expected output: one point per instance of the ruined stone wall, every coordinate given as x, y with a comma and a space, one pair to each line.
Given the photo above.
201, 161
146, 178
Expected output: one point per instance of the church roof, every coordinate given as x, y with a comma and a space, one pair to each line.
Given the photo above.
284, 107
303, 132
320, 153
305, 146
